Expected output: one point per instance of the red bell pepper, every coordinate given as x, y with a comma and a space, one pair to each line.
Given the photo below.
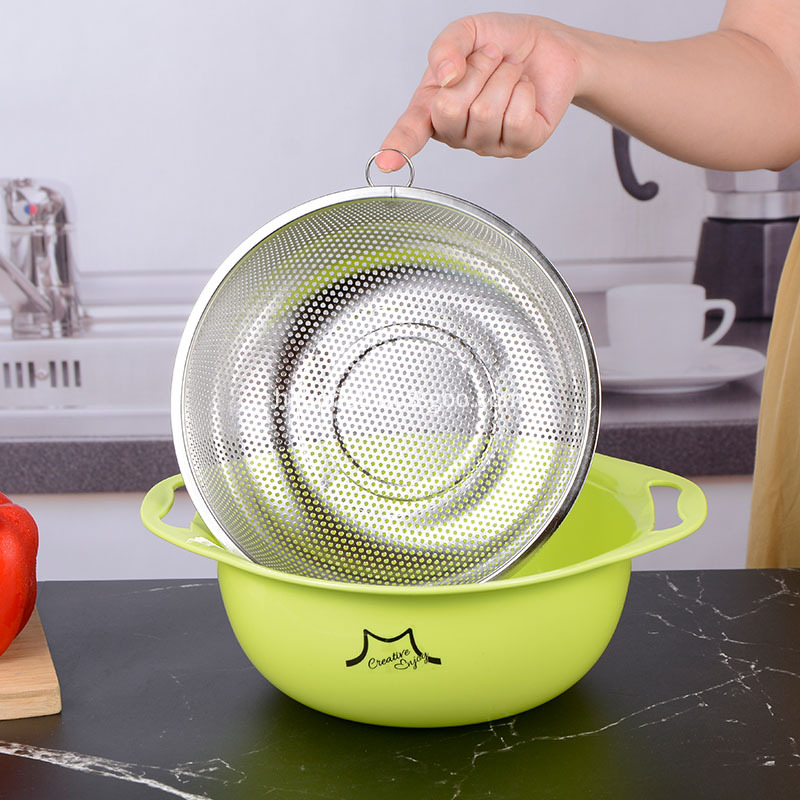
19, 542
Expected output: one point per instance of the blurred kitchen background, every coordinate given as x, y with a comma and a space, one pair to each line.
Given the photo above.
174, 129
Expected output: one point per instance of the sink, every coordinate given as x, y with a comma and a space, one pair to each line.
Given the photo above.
87, 386
111, 381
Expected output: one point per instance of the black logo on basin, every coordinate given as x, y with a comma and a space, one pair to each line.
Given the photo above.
406, 653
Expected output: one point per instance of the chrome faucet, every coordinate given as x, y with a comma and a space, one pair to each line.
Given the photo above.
38, 277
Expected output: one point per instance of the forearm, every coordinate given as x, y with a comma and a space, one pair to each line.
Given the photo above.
499, 84
724, 100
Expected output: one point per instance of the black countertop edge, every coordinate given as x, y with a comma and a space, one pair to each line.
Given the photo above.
101, 465
67, 466
686, 448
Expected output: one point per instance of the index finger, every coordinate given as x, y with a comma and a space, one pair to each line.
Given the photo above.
413, 129
447, 64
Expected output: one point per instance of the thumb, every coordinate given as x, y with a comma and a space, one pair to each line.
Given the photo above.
447, 56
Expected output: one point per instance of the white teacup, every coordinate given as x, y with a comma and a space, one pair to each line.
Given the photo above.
657, 328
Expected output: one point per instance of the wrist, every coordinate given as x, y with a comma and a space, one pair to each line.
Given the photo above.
585, 49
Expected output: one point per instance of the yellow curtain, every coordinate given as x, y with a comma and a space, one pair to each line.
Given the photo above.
775, 513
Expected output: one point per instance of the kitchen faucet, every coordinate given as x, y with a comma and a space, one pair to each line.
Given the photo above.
38, 277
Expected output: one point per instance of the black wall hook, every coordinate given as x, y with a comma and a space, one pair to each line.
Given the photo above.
622, 157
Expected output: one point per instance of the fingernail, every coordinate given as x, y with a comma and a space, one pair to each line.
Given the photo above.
446, 73
492, 50
381, 162
524, 78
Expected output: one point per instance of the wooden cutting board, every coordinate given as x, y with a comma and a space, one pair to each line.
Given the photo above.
28, 681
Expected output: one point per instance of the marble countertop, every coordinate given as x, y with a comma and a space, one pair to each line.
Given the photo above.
711, 432
696, 696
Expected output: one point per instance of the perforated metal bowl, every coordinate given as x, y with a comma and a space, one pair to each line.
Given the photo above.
385, 385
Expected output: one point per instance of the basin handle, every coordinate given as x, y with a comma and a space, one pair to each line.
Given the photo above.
157, 504
691, 506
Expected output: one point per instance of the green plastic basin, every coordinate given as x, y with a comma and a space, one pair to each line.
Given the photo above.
447, 655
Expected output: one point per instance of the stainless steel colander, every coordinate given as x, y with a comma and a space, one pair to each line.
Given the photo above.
385, 385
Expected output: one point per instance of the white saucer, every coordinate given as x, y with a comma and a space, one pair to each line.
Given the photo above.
717, 366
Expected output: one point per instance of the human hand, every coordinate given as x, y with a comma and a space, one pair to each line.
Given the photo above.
497, 84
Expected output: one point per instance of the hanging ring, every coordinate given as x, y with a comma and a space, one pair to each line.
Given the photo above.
390, 150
